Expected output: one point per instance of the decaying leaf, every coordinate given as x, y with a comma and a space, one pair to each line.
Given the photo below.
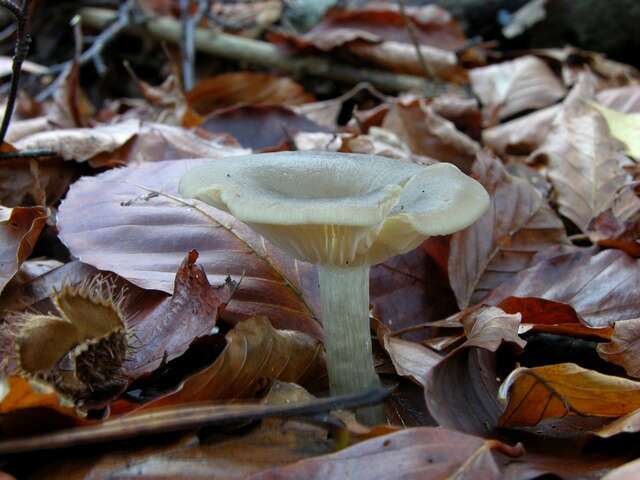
535, 394
255, 355
462, 390
542, 315
518, 224
585, 161
38, 181
597, 286
514, 86
20, 227
250, 88
624, 348
410, 359
425, 453
427, 133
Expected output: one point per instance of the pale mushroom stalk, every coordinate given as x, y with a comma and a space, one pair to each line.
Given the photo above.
343, 213
344, 293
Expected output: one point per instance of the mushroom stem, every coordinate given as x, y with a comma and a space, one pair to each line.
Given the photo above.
344, 294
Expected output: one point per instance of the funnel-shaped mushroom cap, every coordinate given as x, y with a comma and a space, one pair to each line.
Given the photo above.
336, 208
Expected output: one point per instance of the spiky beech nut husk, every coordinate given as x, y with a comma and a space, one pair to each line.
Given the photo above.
82, 351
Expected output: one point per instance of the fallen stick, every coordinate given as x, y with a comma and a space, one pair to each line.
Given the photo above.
265, 54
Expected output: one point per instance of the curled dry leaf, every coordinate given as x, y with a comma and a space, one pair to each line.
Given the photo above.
20, 228
518, 224
38, 181
596, 286
260, 127
427, 133
609, 232
140, 230
623, 99
251, 88
461, 391
425, 453
536, 394
410, 359
514, 86
255, 355
22, 402
434, 27
624, 348
584, 161
522, 135
542, 315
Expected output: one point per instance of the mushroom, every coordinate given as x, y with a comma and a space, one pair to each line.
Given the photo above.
344, 213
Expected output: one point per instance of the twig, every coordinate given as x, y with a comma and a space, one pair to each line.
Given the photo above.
120, 23
187, 46
411, 28
23, 40
27, 154
266, 54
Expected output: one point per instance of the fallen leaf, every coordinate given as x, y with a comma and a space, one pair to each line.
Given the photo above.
259, 127
426, 133
20, 228
518, 224
515, 86
139, 230
255, 355
623, 99
229, 89
609, 232
624, 347
628, 471
584, 161
624, 127
596, 286
81, 144
522, 135
542, 315
462, 390
37, 181
28, 407
410, 359
535, 394
425, 453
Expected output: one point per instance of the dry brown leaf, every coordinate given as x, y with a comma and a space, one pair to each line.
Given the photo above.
255, 355
624, 348
461, 391
426, 133
522, 135
38, 181
20, 228
585, 161
229, 89
416, 453
518, 224
410, 359
515, 86
539, 393
260, 127
542, 315
596, 286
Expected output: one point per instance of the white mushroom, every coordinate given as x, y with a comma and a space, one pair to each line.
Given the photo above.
343, 212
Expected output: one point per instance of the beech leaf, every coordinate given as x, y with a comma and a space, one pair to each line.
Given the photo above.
518, 224
539, 393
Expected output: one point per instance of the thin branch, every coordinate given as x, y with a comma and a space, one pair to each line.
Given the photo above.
187, 45
27, 154
93, 53
23, 40
265, 54
411, 28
